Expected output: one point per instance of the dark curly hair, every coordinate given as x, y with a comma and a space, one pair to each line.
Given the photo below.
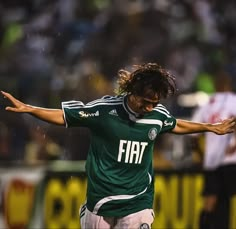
149, 75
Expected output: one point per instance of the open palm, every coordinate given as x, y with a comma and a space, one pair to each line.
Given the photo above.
18, 106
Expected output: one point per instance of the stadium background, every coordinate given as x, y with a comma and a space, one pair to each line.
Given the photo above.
55, 50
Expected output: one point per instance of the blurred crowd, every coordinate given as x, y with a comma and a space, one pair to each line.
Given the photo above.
55, 50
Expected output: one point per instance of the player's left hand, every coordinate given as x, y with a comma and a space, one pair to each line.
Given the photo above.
224, 127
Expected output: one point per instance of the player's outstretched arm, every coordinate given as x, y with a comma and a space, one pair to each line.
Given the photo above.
54, 116
187, 127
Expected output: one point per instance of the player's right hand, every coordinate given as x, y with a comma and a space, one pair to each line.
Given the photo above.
17, 106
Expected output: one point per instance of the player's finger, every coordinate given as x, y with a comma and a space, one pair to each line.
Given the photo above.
230, 122
11, 109
7, 96
11, 98
4, 93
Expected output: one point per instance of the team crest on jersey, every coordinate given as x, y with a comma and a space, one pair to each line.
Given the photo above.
152, 133
144, 226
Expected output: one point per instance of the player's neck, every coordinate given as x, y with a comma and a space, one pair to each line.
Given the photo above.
131, 104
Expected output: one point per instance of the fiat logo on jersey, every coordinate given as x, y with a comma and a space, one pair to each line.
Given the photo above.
152, 133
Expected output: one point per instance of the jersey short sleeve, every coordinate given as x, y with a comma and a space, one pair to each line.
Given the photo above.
76, 113
168, 121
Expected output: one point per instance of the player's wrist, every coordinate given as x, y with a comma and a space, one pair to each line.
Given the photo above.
210, 127
30, 109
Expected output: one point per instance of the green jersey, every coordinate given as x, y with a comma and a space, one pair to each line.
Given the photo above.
119, 163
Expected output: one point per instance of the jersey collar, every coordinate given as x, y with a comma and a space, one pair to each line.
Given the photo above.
132, 115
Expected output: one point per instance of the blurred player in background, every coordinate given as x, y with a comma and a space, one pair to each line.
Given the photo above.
119, 166
219, 155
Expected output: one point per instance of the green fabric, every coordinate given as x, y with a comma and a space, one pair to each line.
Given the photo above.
119, 162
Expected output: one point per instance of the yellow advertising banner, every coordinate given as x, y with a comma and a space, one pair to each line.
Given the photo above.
41, 199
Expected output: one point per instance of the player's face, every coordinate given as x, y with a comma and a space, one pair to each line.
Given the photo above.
143, 104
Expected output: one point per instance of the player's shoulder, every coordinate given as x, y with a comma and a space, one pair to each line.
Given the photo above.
160, 109
106, 100
72, 104
113, 98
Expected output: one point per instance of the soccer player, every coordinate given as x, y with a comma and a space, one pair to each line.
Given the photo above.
219, 162
124, 128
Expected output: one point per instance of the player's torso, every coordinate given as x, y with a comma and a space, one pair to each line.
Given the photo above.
127, 141
119, 163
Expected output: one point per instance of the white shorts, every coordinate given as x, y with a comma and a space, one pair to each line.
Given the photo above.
138, 220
